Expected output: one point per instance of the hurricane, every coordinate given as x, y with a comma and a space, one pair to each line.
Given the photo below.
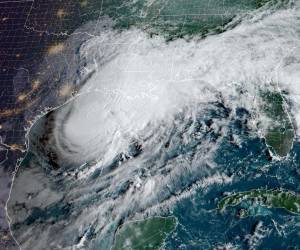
145, 129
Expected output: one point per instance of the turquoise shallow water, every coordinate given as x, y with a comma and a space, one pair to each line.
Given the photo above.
202, 227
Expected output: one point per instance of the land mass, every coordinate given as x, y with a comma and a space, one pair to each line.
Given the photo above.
279, 134
144, 235
270, 198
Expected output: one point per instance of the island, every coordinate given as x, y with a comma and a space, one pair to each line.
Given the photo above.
272, 198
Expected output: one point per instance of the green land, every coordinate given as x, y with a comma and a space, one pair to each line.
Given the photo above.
171, 19
280, 133
268, 198
148, 234
176, 18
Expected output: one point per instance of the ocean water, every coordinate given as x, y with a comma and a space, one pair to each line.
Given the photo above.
202, 227
166, 123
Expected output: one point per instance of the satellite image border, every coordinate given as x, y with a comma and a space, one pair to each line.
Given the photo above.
149, 124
